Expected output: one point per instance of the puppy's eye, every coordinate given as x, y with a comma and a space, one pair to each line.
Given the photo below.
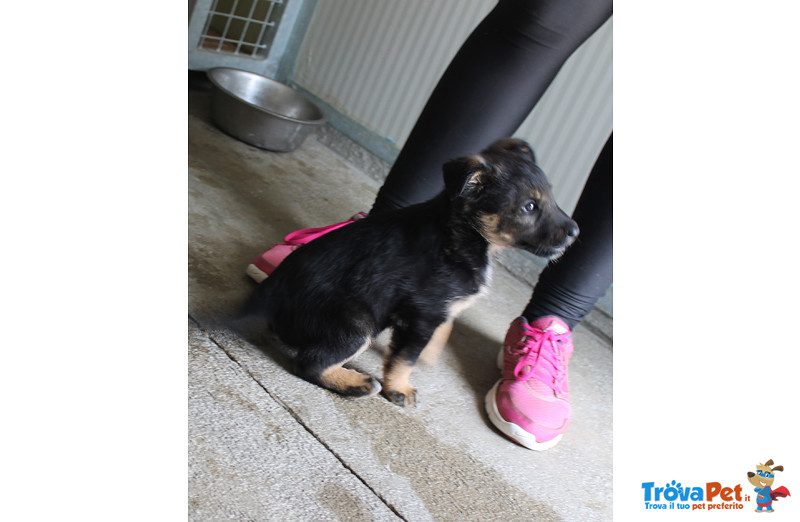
530, 206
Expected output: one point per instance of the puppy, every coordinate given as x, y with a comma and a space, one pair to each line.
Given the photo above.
413, 270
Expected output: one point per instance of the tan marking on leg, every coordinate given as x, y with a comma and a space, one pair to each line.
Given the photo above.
395, 382
396, 374
430, 355
350, 382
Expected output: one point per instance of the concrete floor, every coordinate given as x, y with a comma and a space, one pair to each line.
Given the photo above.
265, 445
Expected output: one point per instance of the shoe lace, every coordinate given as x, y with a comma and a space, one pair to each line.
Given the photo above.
540, 354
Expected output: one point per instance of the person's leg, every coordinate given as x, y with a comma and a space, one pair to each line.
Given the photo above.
569, 287
531, 402
489, 88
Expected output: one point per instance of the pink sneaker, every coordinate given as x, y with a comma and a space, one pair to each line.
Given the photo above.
530, 404
263, 265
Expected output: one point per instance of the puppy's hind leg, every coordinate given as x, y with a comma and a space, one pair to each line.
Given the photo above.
336, 378
349, 382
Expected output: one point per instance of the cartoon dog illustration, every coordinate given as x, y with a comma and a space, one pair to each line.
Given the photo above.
762, 479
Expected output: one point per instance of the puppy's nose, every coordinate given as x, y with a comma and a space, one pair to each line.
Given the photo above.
573, 230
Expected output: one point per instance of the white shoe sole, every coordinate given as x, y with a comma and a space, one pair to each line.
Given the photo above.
255, 273
510, 429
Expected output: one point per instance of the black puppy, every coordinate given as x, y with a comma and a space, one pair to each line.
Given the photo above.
413, 269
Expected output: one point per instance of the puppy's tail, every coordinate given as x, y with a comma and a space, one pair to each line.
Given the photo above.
261, 302
256, 312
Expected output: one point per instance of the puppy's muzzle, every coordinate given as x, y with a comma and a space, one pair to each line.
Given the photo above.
551, 241
571, 232
564, 236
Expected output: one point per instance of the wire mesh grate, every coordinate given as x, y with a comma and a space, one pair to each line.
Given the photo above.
242, 27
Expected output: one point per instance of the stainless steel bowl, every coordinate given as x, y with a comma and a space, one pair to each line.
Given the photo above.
261, 111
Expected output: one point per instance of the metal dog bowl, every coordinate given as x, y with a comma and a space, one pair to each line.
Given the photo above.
261, 111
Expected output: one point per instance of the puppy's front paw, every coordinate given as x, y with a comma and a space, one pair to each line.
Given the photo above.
370, 388
406, 397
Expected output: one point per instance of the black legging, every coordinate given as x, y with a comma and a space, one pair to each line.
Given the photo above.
490, 87
569, 287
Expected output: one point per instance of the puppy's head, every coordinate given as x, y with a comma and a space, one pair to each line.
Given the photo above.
509, 200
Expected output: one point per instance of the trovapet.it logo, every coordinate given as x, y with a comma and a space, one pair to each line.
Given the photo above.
711, 495
715, 495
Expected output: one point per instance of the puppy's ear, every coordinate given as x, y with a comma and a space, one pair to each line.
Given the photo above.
516, 146
522, 148
527, 149
464, 175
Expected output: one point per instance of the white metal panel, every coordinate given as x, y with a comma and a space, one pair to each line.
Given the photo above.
377, 62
